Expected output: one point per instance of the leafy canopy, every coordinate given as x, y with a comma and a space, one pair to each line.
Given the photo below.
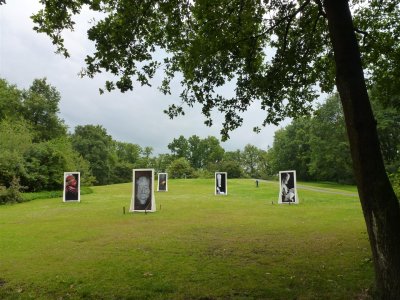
276, 53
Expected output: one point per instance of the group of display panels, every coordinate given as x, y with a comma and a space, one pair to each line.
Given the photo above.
143, 199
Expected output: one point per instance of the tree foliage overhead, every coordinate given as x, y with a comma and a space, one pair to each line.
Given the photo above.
379, 32
276, 52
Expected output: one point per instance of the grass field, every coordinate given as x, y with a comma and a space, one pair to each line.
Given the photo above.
196, 246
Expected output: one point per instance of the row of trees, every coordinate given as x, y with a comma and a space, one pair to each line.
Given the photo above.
34, 143
196, 157
37, 148
318, 148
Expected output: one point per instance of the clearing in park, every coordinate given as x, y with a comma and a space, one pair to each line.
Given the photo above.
197, 246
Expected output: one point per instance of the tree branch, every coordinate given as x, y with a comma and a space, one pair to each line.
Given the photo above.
321, 8
364, 34
288, 17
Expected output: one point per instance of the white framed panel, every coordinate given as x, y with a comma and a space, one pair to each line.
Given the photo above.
162, 185
72, 187
221, 183
143, 199
287, 187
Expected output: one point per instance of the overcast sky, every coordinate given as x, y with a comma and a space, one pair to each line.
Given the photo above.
134, 117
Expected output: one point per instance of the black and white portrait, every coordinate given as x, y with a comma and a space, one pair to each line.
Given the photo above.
162, 182
142, 190
287, 191
221, 183
71, 187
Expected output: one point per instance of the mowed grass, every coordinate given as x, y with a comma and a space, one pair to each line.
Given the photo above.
196, 246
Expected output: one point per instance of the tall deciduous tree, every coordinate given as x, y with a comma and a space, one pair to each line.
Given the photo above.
179, 147
291, 148
379, 202
10, 101
196, 150
388, 118
232, 163
95, 146
46, 161
15, 140
127, 156
212, 152
250, 160
146, 161
127, 152
199, 152
40, 108
162, 162
213, 42
329, 157
180, 168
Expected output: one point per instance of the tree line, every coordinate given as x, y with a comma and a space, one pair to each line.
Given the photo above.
317, 146
37, 148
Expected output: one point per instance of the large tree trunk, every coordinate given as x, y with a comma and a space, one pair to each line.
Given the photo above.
379, 202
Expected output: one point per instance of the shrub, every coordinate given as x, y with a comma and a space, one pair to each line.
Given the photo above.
201, 173
52, 194
12, 194
180, 168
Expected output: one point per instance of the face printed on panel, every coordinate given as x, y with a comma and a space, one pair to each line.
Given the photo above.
71, 187
143, 189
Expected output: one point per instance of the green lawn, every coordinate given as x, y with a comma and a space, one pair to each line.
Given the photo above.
197, 246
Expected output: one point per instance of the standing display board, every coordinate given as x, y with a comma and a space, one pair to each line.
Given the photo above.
288, 190
162, 182
72, 187
143, 199
221, 187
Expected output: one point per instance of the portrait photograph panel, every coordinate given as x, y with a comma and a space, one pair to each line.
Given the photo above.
221, 187
287, 188
162, 182
72, 191
143, 199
